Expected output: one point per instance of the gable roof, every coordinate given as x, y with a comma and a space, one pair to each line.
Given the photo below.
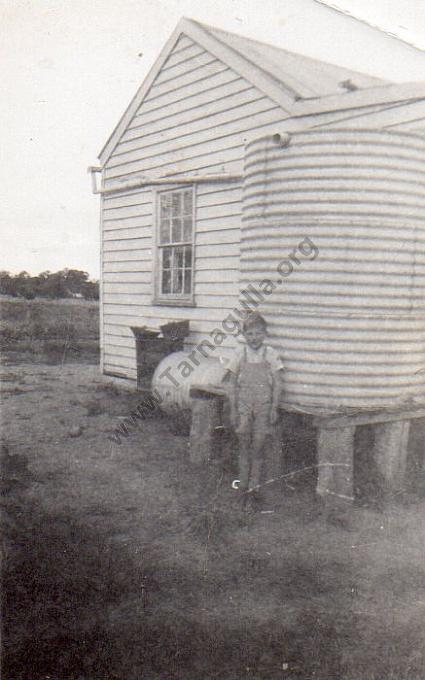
305, 77
284, 76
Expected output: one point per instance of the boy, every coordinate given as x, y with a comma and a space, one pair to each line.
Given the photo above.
254, 378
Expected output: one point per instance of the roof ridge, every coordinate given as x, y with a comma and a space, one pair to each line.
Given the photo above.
208, 27
214, 31
220, 33
296, 83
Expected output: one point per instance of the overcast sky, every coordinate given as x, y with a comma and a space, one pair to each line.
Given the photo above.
70, 68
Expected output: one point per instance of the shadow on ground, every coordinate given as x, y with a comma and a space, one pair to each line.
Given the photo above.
125, 562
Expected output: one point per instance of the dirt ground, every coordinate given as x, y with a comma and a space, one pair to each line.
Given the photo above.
126, 562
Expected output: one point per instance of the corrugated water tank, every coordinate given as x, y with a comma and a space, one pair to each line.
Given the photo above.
335, 219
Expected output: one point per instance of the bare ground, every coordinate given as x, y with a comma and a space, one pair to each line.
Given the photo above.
125, 562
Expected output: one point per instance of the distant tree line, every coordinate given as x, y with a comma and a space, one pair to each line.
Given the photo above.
68, 283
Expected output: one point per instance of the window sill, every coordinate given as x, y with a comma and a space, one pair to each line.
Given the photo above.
163, 302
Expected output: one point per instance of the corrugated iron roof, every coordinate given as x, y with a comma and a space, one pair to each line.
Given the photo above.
299, 85
304, 77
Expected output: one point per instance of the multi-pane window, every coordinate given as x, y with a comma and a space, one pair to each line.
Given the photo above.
175, 249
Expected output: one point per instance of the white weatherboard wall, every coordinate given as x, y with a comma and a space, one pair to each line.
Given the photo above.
195, 118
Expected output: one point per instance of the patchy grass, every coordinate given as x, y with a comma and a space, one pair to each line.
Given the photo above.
49, 331
129, 563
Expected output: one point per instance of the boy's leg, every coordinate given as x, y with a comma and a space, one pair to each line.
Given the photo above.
260, 433
258, 443
244, 440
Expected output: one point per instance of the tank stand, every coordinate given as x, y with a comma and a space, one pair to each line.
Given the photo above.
335, 454
206, 417
390, 453
335, 443
335, 450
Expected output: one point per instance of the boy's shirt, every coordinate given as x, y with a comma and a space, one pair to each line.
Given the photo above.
255, 356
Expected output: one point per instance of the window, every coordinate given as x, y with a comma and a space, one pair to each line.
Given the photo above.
175, 246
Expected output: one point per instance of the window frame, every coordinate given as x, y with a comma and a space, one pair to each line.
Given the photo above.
171, 299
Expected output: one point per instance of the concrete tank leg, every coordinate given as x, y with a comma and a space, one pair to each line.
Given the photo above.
205, 418
335, 452
390, 452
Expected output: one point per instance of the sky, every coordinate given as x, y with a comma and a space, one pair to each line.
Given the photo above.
70, 68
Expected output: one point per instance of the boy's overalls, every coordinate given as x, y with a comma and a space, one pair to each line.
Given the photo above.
254, 401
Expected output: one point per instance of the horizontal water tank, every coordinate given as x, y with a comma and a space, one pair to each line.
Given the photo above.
176, 374
335, 219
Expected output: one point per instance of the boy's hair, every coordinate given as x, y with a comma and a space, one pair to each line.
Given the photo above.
254, 319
